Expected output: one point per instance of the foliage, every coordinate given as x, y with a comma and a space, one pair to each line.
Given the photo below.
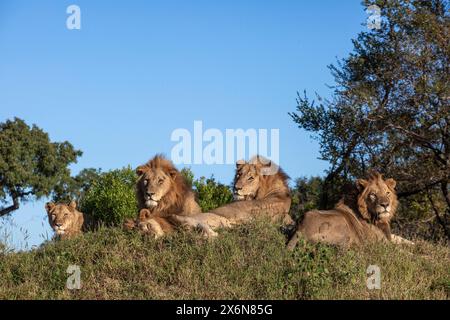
247, 262
390, 108
31, 165
212, 194
73, 188
305, 195
111, 198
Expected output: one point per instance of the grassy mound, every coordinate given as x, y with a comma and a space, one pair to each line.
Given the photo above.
249, 262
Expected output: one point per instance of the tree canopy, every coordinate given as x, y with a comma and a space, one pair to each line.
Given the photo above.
390, 106
31, 166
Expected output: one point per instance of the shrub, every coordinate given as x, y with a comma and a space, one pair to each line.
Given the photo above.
111, 197
212, 194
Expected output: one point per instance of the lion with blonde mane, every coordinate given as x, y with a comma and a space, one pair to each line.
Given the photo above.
361, 216
161, 192
260, 189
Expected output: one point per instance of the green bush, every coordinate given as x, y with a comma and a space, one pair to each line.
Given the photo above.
111, 198
212, 194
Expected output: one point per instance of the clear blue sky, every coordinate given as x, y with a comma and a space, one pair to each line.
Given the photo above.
137, 70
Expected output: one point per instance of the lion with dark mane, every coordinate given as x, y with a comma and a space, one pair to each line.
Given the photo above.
161, 192
363, 215
260, 189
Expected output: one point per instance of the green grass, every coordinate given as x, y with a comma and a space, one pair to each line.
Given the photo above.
249, 262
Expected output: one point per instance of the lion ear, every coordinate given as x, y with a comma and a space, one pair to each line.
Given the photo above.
49, 206
173, 173
144, 214
240, 164
361, 184
140, 170
72, 205
391, 183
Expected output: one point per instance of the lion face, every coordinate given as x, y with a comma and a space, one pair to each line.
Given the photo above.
248, 178
246, 182
154, 184
61, 216
377, 199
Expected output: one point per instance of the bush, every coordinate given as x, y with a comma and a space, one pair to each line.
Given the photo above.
212, 194
111, 198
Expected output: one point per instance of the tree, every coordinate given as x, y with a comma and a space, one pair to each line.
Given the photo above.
30, 164
390, 107
73, 188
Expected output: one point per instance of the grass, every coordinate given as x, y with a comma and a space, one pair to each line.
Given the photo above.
249, 262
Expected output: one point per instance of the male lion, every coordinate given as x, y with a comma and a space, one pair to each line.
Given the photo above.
361, 216
161, 191
260, 189
65, 220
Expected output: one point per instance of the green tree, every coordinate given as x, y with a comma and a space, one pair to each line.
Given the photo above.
31, 166
73, 188
305, 195
390, 108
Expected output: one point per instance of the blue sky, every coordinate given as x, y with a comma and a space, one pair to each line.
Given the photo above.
137, 70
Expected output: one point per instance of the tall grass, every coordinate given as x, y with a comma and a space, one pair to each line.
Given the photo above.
248, 262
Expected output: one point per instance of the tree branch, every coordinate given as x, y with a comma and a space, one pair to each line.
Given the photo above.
15, 206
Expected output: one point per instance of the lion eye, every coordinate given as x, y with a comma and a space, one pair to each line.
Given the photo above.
160, 181
251, 179
372, 196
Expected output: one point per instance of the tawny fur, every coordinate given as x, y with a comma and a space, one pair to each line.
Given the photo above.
177, 198
266, 194
65, 220
362, 215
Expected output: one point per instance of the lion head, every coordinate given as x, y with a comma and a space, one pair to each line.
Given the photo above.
160, 186
377, 199
258, 179
64, 219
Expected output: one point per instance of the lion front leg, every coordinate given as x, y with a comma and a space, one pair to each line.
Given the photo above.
191, 223
399, 240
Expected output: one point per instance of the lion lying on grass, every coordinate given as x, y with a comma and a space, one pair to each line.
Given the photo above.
161, 192
260, 189
65, 220
361, 216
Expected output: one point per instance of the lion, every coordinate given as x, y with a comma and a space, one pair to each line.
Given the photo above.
260, 189
161, 192
65, 220
361, 216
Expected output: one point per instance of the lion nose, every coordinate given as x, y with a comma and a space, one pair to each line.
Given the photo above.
58, 224
237, 189
384, 204
150, 194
